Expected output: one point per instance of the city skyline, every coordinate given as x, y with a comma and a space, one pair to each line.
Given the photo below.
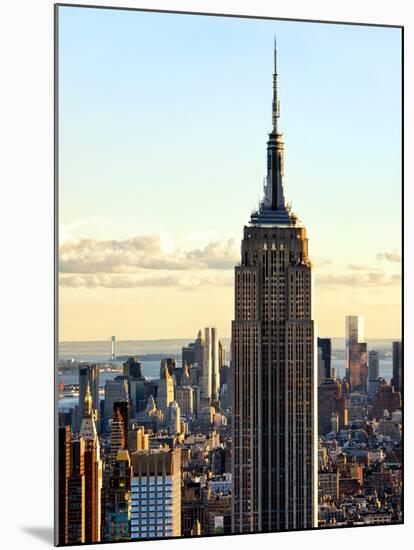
266, 431
181, 256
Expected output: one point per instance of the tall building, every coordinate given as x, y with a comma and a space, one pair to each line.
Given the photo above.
92, 471
156, 494
397, 365
185, 396
206, 380
273, 353
118, 510
133, 369
115, 390
175, 418
118, 437
89, 374
64, 474
331, 402
215, 365
386, 399
358, 367
325, 345
188, 354
373, 372
222, 356
165, 393
199, 349
76, 493
113, 348
356, 353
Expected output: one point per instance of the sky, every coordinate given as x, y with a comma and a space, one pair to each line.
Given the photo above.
163, 123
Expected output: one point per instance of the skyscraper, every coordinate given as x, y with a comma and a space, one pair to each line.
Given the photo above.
175, 418
325, 345
89, 374
115, 390
199, 349
215, 366
373, 372
356, 353
118, 511
222, 356
397, 365
113, 348
92, 471
64, 474
273, 352
156, 494
118, 436
76, 493
206, 377
165, 393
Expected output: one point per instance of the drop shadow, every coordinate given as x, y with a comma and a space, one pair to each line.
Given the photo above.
44, 534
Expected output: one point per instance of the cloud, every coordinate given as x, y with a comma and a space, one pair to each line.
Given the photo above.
321, 262
370, 279
154, 252
361, 267
111, 280
217, 255
389, 256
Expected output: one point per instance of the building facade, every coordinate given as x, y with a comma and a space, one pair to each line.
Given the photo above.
397, 365
156, 494
274, 467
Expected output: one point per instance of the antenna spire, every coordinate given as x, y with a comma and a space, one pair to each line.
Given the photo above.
275, 104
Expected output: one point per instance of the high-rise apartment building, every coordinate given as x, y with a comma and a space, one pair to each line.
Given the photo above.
206, 377
156, 494
215, 365
64, 474
222, 356
185, 400
325, 345
118, 508
331, 402
373, 372
188, 354
115, 390
199, 349
76, 493
113, 348
397, 365
356, 354
175, 418
118, 437
274, 469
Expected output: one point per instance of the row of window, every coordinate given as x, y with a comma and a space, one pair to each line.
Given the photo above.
144, 508
146, 490
145, 481
161, 513
145, 500
168, 531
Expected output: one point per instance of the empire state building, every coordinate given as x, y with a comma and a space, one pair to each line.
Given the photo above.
274, 468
